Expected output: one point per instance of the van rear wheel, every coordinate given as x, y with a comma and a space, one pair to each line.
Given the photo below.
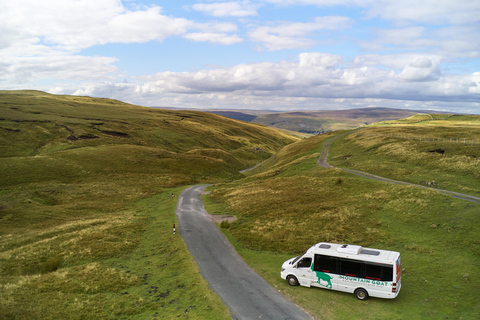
361, 294
292, 280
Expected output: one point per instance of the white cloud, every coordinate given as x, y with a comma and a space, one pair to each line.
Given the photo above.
422, 69
41, 39
104, 89
314, 79
73, 25
220, 38
151, 96
319, 75
293, 35
215, 27
214, 33
425, 11
43, 63
422, 53
228, 9
457, 41
410, 36
453, 41
268, 40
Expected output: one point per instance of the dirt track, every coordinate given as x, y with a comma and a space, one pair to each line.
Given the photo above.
322, 161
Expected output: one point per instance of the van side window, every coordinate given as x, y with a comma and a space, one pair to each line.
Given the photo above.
387, 274
304, 263
378, 272
373, 271
325, 264
351, 268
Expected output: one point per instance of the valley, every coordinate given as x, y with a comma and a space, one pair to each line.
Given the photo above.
292, 203
317, 122
86, 208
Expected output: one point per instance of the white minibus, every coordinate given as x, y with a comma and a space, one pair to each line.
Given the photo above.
362, 271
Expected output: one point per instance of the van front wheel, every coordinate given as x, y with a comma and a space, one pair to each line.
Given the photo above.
361, 294
292, 280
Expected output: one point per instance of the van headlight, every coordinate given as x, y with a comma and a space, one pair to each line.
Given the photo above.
283, 269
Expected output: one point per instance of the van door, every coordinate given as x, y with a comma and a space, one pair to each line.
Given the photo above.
324, 272
304, 272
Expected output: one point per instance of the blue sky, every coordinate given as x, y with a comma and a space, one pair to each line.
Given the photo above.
247, 54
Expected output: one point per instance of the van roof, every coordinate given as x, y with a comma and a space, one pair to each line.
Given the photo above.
355, 252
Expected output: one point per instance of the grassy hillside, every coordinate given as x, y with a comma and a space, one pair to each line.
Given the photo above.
315, 122
419, 149
86, 210
290, 203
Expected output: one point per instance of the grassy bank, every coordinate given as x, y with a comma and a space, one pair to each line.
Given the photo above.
148, 274
294, 203
86, 211
35, 123
444, 149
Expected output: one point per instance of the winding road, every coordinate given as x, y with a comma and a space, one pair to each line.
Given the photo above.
247, 295
322, 161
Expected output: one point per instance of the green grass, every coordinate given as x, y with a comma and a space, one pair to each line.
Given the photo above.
85, 209
418, 153
294, 203
152, 277
36, 123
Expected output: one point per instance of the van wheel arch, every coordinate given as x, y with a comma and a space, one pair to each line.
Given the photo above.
361, 294
292, 280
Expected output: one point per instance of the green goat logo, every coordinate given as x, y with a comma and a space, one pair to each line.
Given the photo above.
323, 276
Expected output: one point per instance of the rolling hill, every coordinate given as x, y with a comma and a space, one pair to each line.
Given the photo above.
315, 122
290, 202
88, 191
87, 201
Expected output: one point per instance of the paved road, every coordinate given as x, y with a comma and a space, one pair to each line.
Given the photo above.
245, 293
322, 161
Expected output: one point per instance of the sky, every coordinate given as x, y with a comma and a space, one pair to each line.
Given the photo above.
248, 54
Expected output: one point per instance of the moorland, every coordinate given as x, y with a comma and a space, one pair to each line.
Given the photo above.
290, 202
316, 122
87, 202
86, 210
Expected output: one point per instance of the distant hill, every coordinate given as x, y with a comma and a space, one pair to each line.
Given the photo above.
235, 115
315, 122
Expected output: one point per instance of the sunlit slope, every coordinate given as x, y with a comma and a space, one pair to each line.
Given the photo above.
290, 203
443, 150
291, 187
291, 195
68, 137
86, 210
